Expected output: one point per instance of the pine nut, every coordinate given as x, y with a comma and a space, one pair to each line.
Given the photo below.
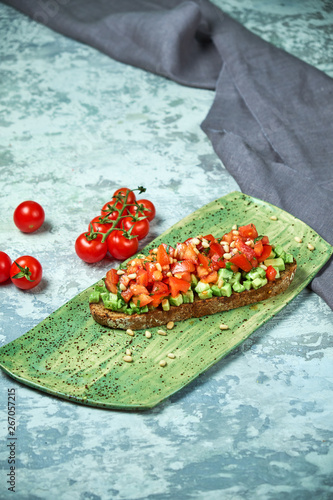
120, 272
225, 247
148, 334
154, 250
171, 355
130, 332
122, 287
128, 352
205, 244
273, 217
158, 266
132, 276
232, 244
170, 325
234, 227
224, 327
169, 274
195, 241
235, 232
163, 362
310, 247
298, 239
128, 359
263, 266
161, 332
227, 256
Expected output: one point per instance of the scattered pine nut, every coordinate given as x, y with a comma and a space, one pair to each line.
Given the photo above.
224, 327
163, 362
205, 243
128, 352
195, 241
273, 217
161, 332
298, 239
130, 332
122, 287
120, 272
311, 247
170, 325
132, 276
235, 232
227, 256
234, 227
171, 355
158, 266
128, 359
148, 334
263, 266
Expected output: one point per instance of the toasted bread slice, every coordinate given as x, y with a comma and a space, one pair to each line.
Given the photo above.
196, 309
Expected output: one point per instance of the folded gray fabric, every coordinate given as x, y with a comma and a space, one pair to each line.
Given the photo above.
271, 122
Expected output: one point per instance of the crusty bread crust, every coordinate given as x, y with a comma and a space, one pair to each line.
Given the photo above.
196, 309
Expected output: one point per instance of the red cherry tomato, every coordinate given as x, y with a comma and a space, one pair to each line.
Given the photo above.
106, 209
26, 272
5, 265
99, 226
120, 247
140, 227
29, 216
123, 191
90, 250
147, 209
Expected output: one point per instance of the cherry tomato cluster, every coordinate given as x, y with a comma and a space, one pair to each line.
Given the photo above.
26, 271
122, 223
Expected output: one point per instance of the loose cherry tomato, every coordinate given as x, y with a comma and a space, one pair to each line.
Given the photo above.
5, 265
29, 216
120, 247
140, 227
26, 272
145, 208
90, 249
123, 191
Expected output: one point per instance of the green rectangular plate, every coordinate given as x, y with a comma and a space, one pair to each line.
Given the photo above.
70, 356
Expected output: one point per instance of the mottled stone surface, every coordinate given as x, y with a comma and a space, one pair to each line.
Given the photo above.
76, 125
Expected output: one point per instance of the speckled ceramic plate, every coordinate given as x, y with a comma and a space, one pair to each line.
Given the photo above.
71, 356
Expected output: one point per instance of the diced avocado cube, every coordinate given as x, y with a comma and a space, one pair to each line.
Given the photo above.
176, 301
101, 288
216, 291
201, 287
257, 283
226, 290
261, 272
194, 281
225, 274
94, 297
277, 273
165, 305
253, 274
188, 297
143, 309
206, 294
247, 285
288, 258
278, 250
235, 278
278, 262
238, 287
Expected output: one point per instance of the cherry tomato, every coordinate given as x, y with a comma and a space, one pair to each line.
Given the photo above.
148, 209
5, 265
123, 191
90, 250
29, 216
99, 226
106, 209
140, 227
26, 272
120, 247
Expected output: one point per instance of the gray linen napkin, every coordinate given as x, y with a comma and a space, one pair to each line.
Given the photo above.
271, 122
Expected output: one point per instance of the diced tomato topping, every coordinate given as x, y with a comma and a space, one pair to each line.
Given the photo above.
183, 276
216, 249
180, 250
160, 287
190, 254
210, 278
248, 252
142, 277
111, 280
178, 285
241, 261
210, 238
142, 300
258, 248
248, 232
169, 249
157, 299
162, 256
228, 237
183, 266
202, 272
217, 262
265, 240
271, 273
138, 289
127, 294
267, 249
203, 260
